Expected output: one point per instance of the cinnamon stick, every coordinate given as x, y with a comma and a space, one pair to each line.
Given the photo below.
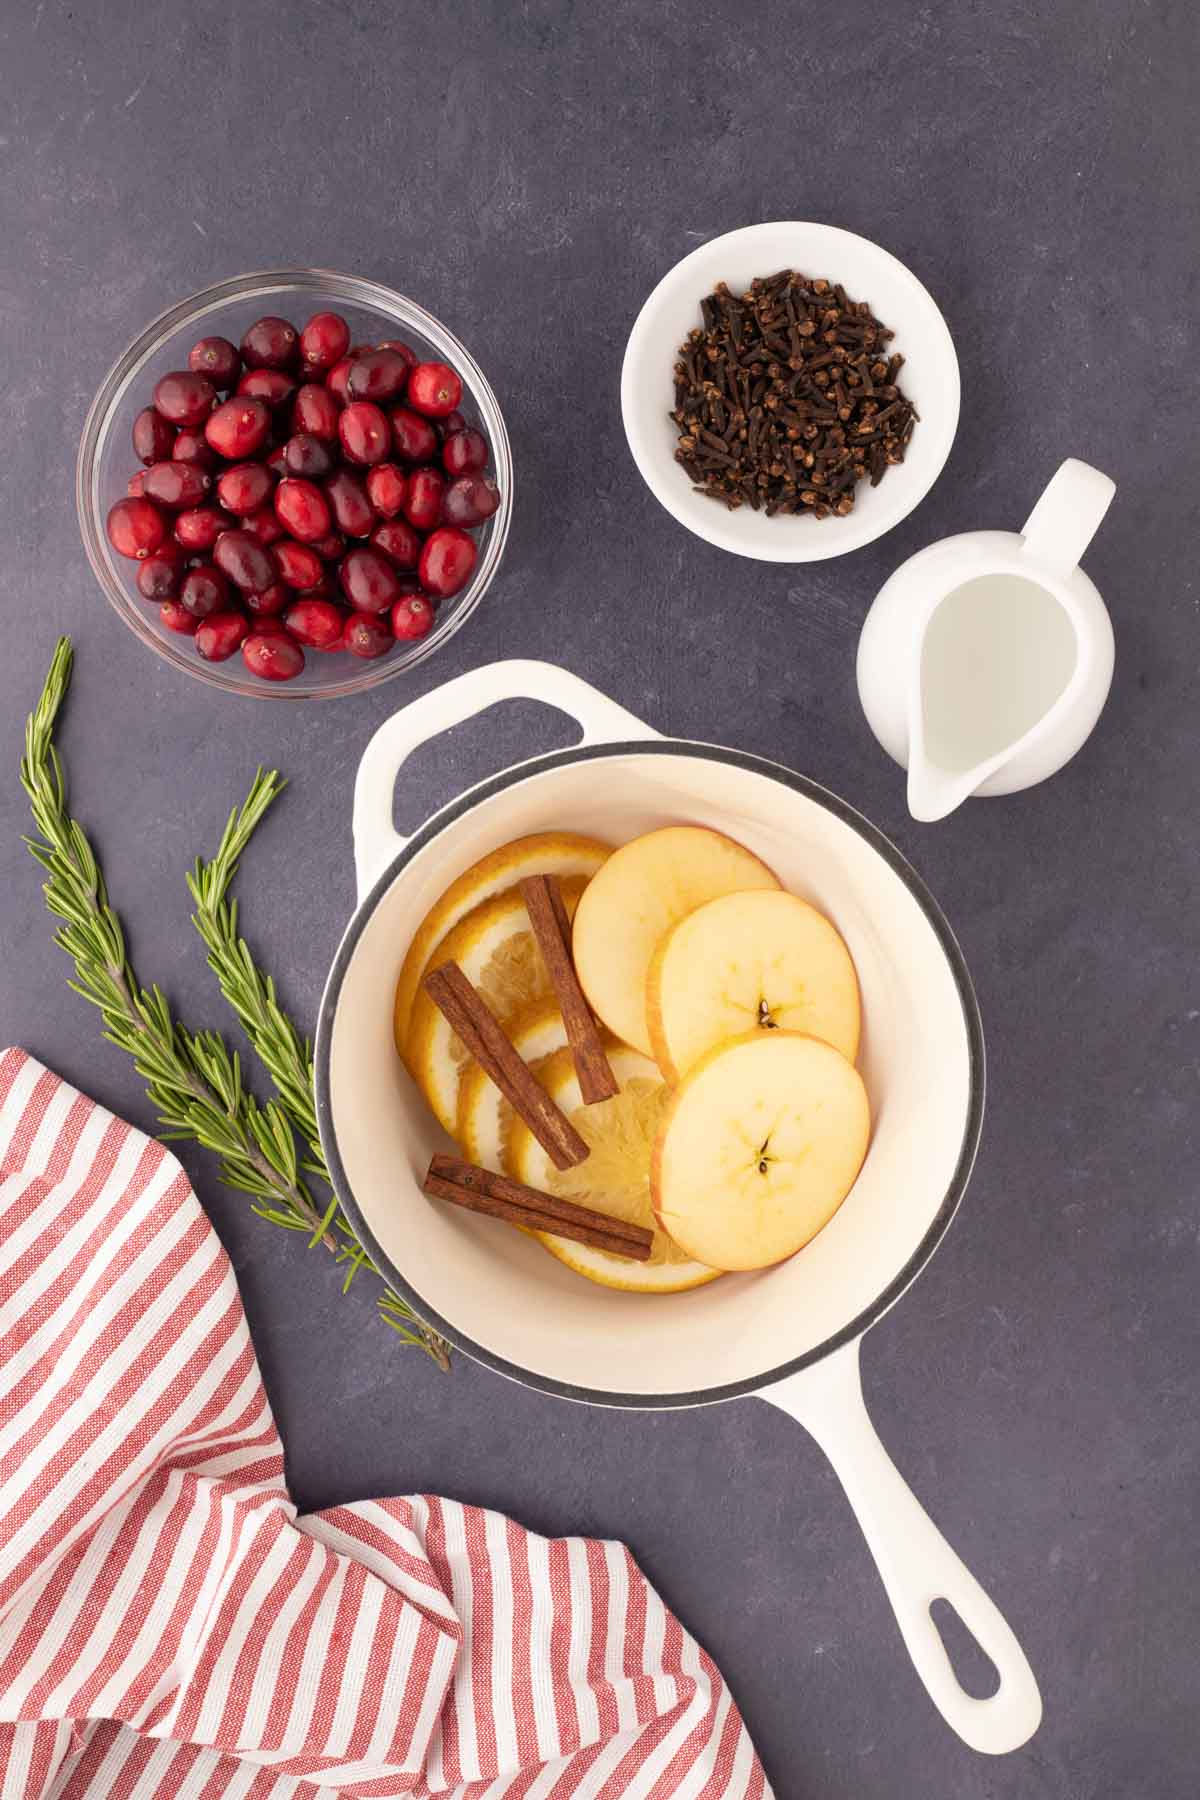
480, 1191
470, 1017
485, 1181
552, 929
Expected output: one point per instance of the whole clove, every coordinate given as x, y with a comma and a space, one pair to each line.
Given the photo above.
785, 398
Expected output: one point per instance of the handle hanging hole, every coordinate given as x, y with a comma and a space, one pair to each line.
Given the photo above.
437, 771
976, 1672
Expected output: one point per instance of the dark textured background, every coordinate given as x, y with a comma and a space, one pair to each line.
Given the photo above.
528, 172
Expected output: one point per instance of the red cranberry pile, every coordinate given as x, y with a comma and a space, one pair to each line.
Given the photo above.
299, 494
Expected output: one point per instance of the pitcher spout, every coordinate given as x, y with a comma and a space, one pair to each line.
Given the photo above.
934, 793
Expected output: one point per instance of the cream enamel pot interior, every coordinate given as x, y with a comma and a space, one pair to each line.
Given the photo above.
789, 1334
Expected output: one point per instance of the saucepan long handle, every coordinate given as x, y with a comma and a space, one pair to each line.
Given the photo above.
916, 1563
376, 840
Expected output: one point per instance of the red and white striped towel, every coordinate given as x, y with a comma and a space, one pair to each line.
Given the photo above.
169, 1627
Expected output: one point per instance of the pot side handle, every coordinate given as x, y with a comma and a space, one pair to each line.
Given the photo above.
915, 1561
376, 840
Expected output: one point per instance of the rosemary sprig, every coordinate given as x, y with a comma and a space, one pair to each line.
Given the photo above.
193, 1080
286, 1056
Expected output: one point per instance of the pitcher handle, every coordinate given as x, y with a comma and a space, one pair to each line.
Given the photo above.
1067, 517
376, 840
915, 1561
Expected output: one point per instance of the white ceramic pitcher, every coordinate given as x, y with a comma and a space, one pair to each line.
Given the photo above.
986, 659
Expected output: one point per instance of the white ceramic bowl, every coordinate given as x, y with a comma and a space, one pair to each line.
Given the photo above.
929, 378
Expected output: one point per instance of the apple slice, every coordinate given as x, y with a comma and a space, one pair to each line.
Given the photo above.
634, 898
760, 1145
764, 961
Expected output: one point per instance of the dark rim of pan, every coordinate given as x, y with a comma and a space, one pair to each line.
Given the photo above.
800, 784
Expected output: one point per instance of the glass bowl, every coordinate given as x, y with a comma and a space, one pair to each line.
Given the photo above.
106, 460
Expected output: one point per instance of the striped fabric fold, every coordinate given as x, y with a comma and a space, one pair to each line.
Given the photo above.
171, 1629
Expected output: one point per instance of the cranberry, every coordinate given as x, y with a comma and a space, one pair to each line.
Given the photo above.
158, 576
434, 389
136, 528
315, 622
465, 452
217, 358
177, 618
275, 461
408, 584
248, 563
351, 508
176, 484
299, 565
316, 411
414, 437
191, 446
324, 590
377, 375
386, 488
271, 385
306, 455
324, 340
411, 617
219, 636
423, 502
244, 488
470, 500
331, 548
302, 510
239, 427
199, 530
447, 559
270, 343
453, 421
267, 601
205, 590
399, 543
410, 356
272, 655
368, 581
337, 379
135, 487
364, 432
367, 635
184, 398
264, 525
153, 437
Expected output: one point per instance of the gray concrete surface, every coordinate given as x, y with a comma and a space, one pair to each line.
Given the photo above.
528, 172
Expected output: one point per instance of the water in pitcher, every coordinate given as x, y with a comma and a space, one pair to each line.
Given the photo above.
998, 652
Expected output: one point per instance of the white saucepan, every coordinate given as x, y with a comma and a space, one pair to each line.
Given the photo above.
789, 1334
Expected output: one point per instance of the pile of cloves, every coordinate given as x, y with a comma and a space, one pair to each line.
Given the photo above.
785, 399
